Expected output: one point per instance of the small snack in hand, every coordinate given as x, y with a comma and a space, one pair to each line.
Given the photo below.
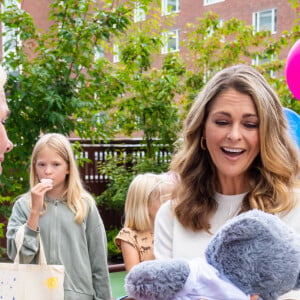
46, 180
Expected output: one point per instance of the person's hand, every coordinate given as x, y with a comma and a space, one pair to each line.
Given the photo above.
38, 193
37, 200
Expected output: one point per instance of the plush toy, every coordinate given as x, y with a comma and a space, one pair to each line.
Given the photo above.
254, 253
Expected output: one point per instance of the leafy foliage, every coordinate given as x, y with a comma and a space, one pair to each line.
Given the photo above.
121, 170
212, 47
57, 81
112, 249
62, 88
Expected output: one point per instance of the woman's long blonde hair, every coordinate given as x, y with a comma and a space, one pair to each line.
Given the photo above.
76, 196
274, 172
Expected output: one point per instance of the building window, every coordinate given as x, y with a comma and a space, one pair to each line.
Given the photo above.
211, 30
209, 2
139, 13
170, 41
98, 52
116, 53
265, 20
258, 61
169, 7
10, 38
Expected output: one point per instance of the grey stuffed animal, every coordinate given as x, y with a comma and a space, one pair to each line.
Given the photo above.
254, 253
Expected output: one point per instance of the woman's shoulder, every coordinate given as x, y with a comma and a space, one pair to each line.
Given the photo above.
292, 217
166, 208
297, 199
297, 193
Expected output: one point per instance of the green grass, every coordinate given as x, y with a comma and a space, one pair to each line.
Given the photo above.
117, 284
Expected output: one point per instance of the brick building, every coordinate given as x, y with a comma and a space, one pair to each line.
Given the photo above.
275, 15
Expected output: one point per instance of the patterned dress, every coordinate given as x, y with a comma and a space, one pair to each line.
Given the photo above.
140, 240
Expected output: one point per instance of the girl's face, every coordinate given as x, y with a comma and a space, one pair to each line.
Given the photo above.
231, 133
50, 165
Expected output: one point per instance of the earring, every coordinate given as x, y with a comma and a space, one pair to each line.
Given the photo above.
202, 145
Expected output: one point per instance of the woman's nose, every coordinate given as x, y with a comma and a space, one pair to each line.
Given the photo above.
234, 133
10, 146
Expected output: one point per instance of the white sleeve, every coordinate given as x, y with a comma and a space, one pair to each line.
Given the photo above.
293, 295
163, 232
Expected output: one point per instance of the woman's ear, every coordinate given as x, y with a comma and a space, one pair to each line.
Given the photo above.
254, 297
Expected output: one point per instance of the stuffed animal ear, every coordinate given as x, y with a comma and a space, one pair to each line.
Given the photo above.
156, 279
258, 253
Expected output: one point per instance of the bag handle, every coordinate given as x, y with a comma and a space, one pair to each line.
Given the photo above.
19, 242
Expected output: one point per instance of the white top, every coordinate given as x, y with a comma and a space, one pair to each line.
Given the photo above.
172, 240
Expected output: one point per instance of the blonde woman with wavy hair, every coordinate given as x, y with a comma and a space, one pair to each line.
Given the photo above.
236, 155
65, 214
145, 194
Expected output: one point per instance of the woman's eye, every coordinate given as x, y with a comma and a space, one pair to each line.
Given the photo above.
221, 122
251, 125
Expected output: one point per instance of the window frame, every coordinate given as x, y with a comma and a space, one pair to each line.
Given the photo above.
256, 17
116, 53
139, 14
257, 61
165, 7
166, 40
4, 37
211, 2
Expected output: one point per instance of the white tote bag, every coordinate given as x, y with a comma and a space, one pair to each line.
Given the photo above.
31, 281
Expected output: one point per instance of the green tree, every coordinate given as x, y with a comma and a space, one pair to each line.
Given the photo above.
63, 87
213, 46
148, 106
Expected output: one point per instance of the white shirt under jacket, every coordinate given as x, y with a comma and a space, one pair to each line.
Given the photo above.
172, 240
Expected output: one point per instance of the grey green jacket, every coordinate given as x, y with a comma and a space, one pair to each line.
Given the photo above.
82, 249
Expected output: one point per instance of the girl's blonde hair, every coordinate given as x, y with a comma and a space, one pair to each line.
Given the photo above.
142, 191
76, 196
274, 172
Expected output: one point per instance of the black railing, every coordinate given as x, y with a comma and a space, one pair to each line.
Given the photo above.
98, 154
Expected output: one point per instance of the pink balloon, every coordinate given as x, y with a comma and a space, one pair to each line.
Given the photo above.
292, 70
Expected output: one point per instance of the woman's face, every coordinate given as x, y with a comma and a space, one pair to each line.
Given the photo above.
231, 133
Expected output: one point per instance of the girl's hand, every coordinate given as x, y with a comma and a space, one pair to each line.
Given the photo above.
37, 200
38, 193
